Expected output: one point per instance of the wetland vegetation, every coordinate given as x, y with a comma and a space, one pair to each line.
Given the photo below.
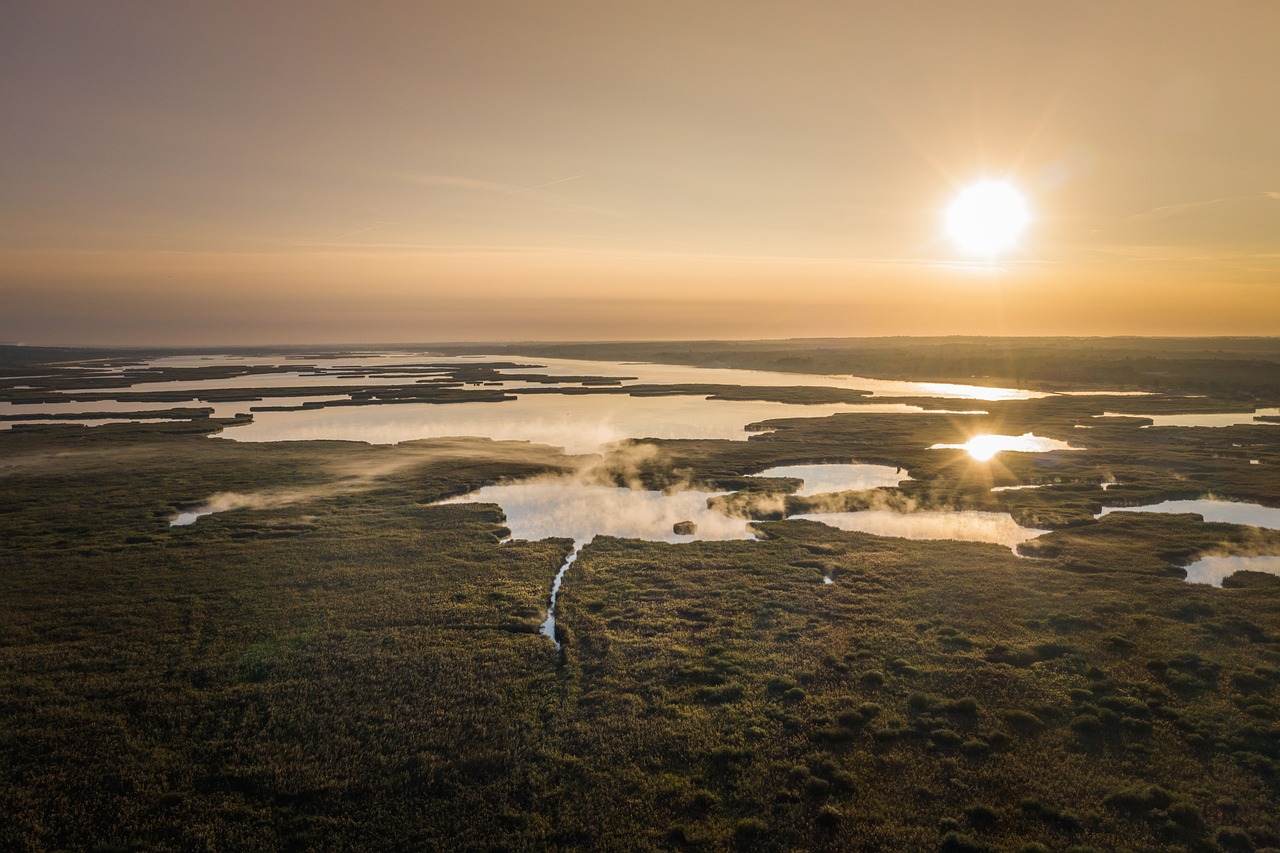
344, 656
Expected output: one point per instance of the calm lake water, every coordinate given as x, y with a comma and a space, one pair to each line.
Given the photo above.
820, 479
330, 371
580, 423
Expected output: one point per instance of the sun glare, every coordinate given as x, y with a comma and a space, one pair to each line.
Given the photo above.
984, 447
987, 218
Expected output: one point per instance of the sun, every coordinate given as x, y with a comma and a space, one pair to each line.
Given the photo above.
987, 218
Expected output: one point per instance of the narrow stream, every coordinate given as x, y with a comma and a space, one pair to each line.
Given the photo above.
548, 628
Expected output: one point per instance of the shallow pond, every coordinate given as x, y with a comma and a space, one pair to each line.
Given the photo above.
1213, 570
1231, 512
1225, 419
542, 509
187, 517
965, 526
823, 478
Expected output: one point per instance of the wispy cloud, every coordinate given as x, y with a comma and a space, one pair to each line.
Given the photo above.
463, 183
1168, 210
547, 184
363, 230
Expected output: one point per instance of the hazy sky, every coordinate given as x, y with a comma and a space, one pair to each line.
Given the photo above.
222, 172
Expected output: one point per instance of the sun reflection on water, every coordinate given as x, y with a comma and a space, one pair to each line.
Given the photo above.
984, 447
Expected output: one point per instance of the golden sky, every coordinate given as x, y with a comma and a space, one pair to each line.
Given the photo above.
230, 172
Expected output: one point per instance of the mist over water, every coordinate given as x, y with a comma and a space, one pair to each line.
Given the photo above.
966, 526
566, 508
823, 478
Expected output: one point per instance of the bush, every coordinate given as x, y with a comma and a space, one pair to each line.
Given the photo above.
1139, 800
850, 719
944, 737
1086, 725
749, 830
1187, 815
981, 816
1022, 722
954, 842
817, 788
720, 695
779, 684
1234, 840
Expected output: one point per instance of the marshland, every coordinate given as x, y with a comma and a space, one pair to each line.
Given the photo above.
330, 643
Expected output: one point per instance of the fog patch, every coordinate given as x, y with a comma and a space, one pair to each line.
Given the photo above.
961, 525
369, 471
569, 508
822, 478
267, 499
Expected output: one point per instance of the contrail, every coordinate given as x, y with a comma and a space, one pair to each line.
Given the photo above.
547, 184
361, 230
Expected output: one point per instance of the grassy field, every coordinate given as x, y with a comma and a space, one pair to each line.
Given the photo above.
342, 664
